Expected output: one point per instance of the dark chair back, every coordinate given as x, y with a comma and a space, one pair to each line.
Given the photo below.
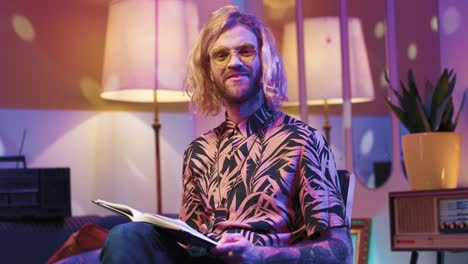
347, 181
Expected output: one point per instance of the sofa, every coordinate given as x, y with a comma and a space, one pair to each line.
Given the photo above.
35, 241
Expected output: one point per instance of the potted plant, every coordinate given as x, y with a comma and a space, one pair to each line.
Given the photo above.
431, 150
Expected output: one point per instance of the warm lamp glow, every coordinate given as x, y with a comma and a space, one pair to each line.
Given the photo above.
322, 53
131, 51
145, 95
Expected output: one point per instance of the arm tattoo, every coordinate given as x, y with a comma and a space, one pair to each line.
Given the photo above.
333, 250
320, 254
339, 248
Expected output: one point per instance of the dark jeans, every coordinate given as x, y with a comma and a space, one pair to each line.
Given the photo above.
138, 242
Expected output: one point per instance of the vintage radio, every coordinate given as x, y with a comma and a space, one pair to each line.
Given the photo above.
41, 193
429, 220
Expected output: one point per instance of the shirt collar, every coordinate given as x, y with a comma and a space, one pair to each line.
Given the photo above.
253, 123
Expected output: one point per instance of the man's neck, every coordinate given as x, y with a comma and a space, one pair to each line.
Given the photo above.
239, 112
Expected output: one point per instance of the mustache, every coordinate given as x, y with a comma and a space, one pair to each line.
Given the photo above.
233, 72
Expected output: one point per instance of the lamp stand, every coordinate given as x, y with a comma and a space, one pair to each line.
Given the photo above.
326, 122
156, 128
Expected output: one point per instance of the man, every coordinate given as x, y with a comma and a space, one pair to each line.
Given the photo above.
262, 183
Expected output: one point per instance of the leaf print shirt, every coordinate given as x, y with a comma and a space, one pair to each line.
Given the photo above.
275, 175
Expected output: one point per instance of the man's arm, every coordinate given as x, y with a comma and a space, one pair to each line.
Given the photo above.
191, 210
334, 246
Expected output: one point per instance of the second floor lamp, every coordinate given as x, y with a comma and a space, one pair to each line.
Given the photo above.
322, 57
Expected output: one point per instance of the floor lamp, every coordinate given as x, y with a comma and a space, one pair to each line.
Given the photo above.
145, 56
322, 56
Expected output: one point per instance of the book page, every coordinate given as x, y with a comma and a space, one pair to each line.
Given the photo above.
122, 209
179, 228
157, 220
171, 223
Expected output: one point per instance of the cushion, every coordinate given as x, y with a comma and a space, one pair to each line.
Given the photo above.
89, 237
88, 257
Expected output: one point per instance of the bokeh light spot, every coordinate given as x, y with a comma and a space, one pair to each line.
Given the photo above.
379, 30
23, 27
451, 20
412, 51
383, 81
434, 24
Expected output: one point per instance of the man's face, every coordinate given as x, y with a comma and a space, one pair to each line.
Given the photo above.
237, 78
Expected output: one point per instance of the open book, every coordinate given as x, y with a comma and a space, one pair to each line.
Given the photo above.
182, 232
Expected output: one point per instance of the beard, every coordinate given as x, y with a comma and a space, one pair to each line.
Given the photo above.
240, 88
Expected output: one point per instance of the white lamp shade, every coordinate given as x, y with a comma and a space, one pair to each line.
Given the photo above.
322, 53
129, 72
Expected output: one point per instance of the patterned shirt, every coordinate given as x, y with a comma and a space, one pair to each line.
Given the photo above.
275, 175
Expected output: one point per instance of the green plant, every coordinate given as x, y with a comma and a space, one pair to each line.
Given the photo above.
435, 112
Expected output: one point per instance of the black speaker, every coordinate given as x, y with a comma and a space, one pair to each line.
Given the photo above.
42, 193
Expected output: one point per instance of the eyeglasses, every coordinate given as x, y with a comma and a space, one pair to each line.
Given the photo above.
245, 52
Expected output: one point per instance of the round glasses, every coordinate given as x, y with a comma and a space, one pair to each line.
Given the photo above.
222, 55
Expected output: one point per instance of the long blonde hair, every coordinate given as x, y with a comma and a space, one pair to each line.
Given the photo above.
205, 96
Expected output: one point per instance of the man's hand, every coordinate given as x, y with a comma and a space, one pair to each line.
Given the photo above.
334, 246
235, 249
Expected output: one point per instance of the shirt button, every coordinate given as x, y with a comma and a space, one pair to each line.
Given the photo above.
234, 149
